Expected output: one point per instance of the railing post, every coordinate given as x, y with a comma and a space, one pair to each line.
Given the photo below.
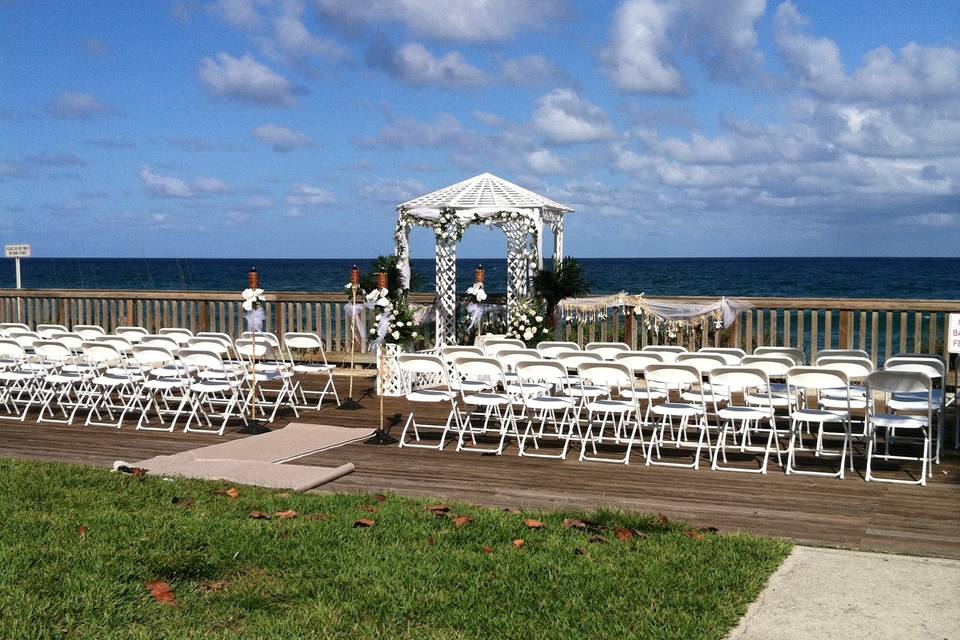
846, 330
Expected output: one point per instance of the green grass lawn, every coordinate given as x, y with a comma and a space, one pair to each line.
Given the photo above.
78, 545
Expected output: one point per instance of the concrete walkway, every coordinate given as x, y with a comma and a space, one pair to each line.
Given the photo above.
827, 593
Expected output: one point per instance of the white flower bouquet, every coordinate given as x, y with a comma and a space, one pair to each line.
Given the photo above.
253, 301
527, 322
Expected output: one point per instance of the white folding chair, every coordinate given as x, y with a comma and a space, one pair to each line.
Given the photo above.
509, 358
839, 353
743, 421
885, 385
935, 368
550, 349
491, 348
133, 334
88, 331
638, 361
19, 381
801, 383
179, 334
254, 351
607, 350
731, 356
110, 387
311, 342
414, 368
667, 352
618, 410
676, 378
164, 389
62, 384
497, 407
789, 352
47, 331
206, 394
13, 326
538, 381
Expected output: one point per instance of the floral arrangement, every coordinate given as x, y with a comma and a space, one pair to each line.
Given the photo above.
253, 301
527, 322
476, 294
395, 321
448, 225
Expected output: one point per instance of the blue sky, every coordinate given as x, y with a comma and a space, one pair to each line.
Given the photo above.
272, 128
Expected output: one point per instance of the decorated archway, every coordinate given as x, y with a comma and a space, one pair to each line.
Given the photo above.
492, 201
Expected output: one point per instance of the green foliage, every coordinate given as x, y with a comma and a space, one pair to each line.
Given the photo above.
368, 280
411, 575
564, 281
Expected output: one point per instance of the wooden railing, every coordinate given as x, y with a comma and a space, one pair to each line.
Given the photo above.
323, 313
882, 327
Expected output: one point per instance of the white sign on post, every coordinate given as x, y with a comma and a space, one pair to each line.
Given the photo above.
17, 250
953, 333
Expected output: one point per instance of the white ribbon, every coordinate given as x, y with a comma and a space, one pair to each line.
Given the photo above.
383, 326
475, 310
255, 318
353, 312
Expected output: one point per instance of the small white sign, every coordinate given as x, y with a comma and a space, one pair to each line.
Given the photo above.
17, 250
953, 333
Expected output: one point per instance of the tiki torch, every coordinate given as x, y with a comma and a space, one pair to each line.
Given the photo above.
350, 404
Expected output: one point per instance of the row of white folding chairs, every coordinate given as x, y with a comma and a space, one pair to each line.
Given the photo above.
174, 338
830, 384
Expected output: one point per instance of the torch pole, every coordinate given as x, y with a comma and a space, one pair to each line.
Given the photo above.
253, 427
380, 436
350, 404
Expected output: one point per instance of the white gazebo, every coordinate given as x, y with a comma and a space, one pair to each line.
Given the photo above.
483, 199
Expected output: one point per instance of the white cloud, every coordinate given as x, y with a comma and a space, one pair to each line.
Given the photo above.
246, 80
637, 56
463, 20
532, 71
293, 38
170, 187
303, 198
564, 117
241, 14
646, 36
414, 64
915, 73
281, 138
390, 191
543, 161
74, 105
931, 219
407, 132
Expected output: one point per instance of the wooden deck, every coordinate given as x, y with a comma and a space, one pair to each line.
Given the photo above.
846, 513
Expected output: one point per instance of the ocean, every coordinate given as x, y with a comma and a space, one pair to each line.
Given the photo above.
788, 277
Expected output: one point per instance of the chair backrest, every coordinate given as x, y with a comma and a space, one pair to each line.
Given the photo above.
612, 375
122, 344
178, 334
24, 338
52, 350
637, 361
482, 368
74, 341
898, 382
730, 355
262, 336
47, 331
209, 343
133, 334
510, 357
302, 340
839, 353
214, 334
166, 341
739, 378
250, 348
200, 359
88, 331
816, 378
152, 355
452, 352
672, 375
573, 359
703, 362
543, 371
669, 352
494, 347
422, 364
932, 367
101, 353
794, 354
14, 325
11, 350
607, 350
550, 349
855, 368
774, 366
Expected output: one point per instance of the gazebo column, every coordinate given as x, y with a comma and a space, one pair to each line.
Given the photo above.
401, 241
518, 260
555, 221
446, 268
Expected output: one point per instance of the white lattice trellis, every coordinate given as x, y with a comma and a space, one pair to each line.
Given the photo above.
520, 213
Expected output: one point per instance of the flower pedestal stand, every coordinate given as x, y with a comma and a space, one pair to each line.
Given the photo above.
389, 380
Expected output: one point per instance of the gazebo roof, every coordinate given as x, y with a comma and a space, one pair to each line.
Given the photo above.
485, 194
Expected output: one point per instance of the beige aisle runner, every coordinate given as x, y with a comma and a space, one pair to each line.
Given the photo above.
257, 460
